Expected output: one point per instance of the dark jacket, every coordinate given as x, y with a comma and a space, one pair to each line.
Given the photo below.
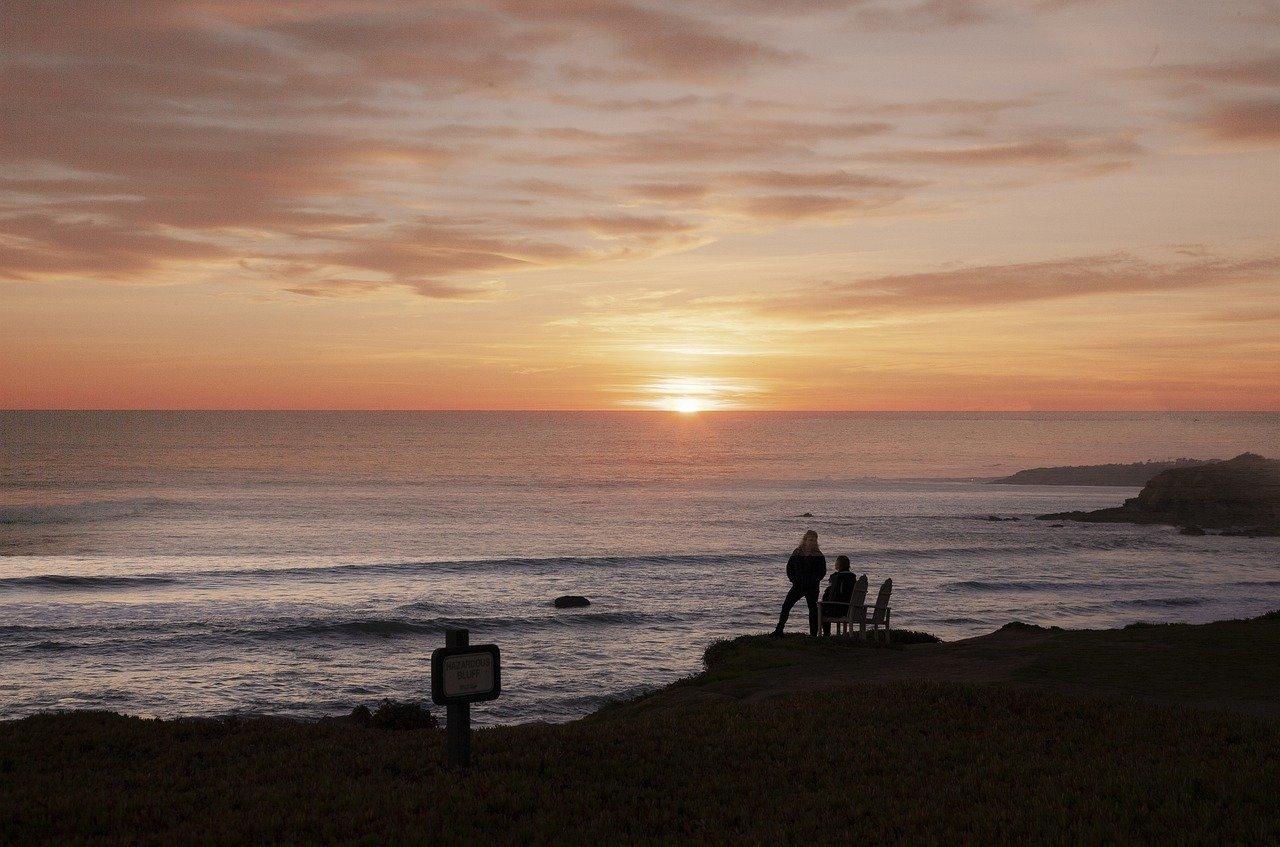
806, 571
840, 588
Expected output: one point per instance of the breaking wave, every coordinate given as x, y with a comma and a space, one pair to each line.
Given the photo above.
1160, 602
75, 582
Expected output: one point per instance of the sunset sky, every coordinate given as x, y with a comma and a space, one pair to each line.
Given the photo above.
628, 204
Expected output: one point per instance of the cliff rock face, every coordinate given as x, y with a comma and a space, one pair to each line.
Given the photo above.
1134, 474
1241, 493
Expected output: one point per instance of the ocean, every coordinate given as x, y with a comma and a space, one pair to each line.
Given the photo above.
203, 563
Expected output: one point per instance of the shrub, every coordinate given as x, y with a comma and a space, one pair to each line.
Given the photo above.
393, 714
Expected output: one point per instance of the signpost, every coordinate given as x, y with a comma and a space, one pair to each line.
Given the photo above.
462, 675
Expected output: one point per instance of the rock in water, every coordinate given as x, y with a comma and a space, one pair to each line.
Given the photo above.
1239, 494
570, 601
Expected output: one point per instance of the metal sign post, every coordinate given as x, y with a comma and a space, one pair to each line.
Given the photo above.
462, 675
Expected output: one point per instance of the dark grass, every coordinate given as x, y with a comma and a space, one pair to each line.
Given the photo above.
906, 763
751, 654
902, 763
1232, 660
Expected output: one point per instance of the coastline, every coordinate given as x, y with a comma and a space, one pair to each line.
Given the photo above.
756, 747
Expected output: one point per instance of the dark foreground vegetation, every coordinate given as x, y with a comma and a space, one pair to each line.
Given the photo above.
721, 758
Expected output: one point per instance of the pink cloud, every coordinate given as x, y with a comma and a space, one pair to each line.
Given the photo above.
1000, 285
1244, 121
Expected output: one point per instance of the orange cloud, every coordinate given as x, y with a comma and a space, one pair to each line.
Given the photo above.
1043, 151
793, 207
37, 246
614, 225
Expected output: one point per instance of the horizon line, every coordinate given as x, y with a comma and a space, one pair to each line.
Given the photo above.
645, 411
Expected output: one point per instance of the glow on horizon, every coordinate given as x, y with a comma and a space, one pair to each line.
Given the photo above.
641, 204
687, 405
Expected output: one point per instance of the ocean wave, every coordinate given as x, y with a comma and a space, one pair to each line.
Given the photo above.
1160, 602
51, 646
213, 633
552, 563
358, 568
1029, 585
391, 626
365, 626
74, 582
89, 511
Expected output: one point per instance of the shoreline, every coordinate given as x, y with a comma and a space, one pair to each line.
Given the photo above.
809, 663
766, 744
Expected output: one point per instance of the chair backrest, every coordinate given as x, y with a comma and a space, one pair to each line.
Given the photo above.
859, 593
882, 601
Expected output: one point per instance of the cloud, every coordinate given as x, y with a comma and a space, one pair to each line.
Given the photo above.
672, 44
1246, 316
428, 255
430, 289
390, 144
40, 246
1114, 151
701, 141
838, 179
929, 14
1244, 121
794, 207
955, 107
432, 248
1001, 285
671, 192
635, 104
1263, 71
167, 132
614, 226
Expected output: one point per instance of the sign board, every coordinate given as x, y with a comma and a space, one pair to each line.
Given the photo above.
466, 674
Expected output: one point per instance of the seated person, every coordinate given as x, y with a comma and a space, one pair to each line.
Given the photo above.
839, 588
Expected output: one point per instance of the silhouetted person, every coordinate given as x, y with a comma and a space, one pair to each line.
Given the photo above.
835, 599
806, 568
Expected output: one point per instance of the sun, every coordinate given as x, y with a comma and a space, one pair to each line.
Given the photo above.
686, 405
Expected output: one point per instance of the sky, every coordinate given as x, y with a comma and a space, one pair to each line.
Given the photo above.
640, 204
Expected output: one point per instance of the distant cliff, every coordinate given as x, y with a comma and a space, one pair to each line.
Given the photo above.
1134, 475
1240, 494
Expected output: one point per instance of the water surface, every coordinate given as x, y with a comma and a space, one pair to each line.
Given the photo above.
300, 563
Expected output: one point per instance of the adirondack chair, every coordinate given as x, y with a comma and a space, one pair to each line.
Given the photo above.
879, 617
841, 621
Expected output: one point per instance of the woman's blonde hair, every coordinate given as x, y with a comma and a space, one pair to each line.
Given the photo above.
809, 545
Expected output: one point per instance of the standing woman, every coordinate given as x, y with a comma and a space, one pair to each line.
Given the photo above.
806, 568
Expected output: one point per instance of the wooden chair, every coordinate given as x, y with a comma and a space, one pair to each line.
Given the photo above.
840, 623
880, 612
